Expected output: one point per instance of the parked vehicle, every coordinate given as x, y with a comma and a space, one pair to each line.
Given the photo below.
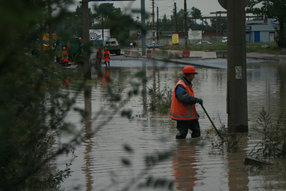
153, 45
224, 39
204, 42
113, 46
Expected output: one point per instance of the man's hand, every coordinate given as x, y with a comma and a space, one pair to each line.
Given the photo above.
200, 101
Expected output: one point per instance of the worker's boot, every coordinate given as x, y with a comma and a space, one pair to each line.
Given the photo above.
180, 136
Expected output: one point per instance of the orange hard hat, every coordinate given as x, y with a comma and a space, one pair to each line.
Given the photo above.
189, 70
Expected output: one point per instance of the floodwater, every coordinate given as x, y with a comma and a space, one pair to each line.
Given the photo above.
195, 164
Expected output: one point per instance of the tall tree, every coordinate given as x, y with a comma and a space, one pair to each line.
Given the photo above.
166, 23
220, 24
112, 18
195, 13
271, 9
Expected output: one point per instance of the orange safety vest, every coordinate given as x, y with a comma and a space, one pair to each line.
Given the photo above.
64, 54
181, 111
106, 55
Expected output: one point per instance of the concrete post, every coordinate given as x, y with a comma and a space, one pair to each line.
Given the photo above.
236, 67
85, 37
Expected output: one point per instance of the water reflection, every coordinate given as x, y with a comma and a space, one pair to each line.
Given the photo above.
237, 175
184, 165
195, 165
88, 140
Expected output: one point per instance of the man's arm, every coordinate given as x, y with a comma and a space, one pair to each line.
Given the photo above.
183, 96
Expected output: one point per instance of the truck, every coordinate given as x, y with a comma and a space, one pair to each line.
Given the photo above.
113, 46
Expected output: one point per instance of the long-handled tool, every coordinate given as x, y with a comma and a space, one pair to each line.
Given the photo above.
212, 122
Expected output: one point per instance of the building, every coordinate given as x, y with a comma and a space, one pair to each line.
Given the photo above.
261, 30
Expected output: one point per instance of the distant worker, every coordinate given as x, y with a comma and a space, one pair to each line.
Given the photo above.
106, 56
99, 55
183, 108
65, 56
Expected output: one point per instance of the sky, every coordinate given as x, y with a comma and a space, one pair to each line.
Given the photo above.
167, 6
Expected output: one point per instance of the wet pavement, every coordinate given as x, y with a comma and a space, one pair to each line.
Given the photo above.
195, 164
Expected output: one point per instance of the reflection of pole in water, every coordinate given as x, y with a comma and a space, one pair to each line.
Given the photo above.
237, 175
268, 95
281, 78
183, 166
87, 157
144, 89
86, 169
158, 76
87, 105
154, 80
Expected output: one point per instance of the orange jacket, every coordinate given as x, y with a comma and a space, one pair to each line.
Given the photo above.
106, 56
64, 54
180, 111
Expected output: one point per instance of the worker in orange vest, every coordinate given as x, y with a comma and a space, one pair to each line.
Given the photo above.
65, 56
106, 56
183, 108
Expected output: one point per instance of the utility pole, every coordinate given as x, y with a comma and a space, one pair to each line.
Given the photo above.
143, 29
185, 25
236, 65
153, 21
175, 18
157, 24
85, 35
102, 29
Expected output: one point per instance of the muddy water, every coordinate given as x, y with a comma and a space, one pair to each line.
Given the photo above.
195, 164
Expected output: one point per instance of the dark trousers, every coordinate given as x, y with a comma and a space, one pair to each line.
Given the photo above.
184, 125
107, 63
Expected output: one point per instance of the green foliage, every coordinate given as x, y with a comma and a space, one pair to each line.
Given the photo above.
160, 100
29, 80
262, 47
273, 140
271, 47
219, 23
109, 17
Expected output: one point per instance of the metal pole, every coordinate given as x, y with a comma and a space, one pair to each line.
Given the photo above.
236, 67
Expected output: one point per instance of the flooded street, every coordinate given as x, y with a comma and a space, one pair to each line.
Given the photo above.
195, 164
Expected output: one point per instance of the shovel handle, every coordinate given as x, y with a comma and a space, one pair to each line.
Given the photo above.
212, 122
